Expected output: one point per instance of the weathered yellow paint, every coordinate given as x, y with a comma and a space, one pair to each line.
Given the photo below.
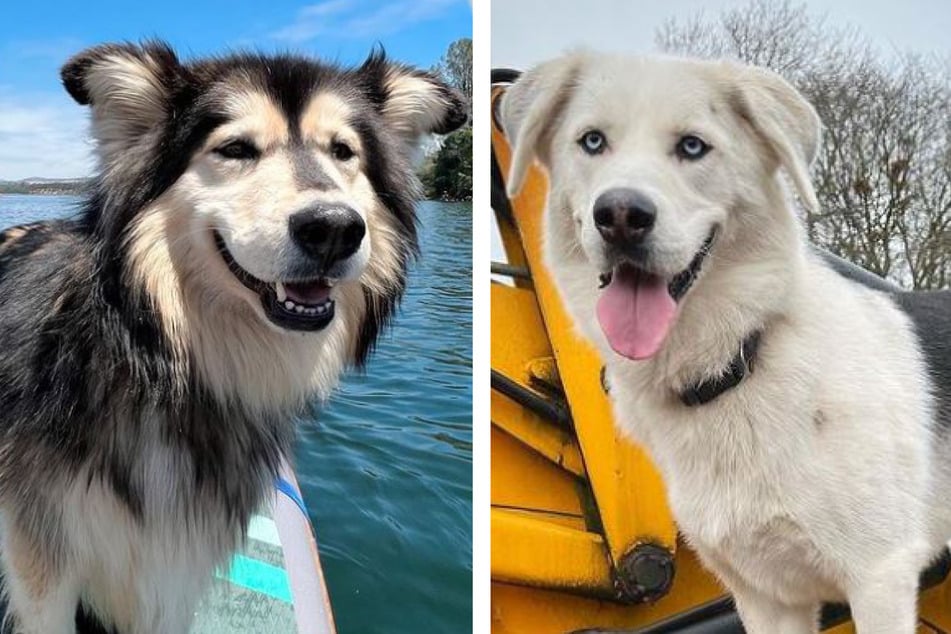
515, 313
526, 610
573, 522
628, 490
934, 607
521, 478
541, 553
523, 610
545, 370
552, 442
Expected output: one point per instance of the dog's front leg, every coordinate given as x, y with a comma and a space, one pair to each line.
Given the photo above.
42, 592
885, 600
759, 612
763, 615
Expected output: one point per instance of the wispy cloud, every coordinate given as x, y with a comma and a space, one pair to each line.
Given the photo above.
347, 18
57, 50
43, 135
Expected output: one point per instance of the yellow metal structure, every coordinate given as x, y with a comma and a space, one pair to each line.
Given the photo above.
574, 505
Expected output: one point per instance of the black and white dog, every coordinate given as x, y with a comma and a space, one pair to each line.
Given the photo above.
246, 238
800, 419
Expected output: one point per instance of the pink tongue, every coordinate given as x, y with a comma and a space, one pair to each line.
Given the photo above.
635, 312
308, 293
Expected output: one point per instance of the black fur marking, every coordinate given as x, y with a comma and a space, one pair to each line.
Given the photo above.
308, 174
457, 111
87, 623
930, 311
931, 314
398, 199
371, 77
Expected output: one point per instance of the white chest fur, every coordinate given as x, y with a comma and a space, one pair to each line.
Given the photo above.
146, 574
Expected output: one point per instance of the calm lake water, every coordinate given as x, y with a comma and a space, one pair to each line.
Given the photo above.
386, 466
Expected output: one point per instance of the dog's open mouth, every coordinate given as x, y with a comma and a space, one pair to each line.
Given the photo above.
294, 305
637, 308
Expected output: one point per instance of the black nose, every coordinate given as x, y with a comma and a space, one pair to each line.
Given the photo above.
624, 216
328, 233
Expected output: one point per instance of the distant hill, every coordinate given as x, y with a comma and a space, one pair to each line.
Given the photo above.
45, 186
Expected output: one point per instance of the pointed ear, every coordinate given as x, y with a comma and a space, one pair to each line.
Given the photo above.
128, 87
413, 103
783, 120
531, 107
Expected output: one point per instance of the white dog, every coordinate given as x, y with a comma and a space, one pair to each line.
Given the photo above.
794, 413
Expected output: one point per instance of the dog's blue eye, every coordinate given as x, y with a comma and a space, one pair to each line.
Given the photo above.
593, 142
692, 148
341, 151
238, 150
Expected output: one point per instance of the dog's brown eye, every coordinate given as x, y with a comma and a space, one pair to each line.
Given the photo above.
238, 150
692, 147
341, 151
593, 142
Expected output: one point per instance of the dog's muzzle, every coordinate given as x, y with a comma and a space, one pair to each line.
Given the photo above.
327, 235
638, 307
295, 305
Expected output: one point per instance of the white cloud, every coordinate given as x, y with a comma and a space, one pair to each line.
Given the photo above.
43, 135
330, 7
345, 18
312, 20
57, 50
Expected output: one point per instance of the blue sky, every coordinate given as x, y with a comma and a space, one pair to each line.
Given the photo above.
43, 132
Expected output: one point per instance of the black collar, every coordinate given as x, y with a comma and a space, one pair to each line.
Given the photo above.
740, 366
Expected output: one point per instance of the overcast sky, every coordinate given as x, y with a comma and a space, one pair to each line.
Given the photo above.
525, 32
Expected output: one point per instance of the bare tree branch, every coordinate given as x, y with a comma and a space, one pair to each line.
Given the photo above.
883, 176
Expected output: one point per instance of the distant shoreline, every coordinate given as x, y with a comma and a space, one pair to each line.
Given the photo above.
48, 189
42, 192
79, 186
45, 186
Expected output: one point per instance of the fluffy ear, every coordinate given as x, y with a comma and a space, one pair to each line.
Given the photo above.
782, 118
127, 86
413, 103
529, 109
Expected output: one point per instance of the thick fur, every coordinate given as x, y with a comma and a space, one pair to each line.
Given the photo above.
146, 399
824, 475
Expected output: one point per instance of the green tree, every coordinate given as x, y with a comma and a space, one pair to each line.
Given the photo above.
448, 173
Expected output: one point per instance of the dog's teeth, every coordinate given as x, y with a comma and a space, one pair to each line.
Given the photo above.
289, 305
281, 293
299, 308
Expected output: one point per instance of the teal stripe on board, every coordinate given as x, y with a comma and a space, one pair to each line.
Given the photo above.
260, 577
